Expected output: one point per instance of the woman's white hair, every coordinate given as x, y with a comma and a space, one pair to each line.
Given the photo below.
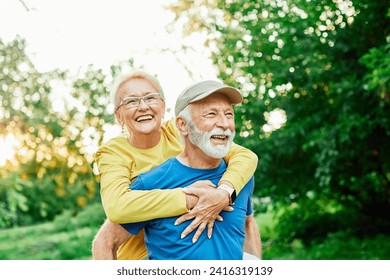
135, 74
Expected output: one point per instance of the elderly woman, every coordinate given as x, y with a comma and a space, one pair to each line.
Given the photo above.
139, 108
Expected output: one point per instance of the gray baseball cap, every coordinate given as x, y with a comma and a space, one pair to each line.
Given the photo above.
203, 89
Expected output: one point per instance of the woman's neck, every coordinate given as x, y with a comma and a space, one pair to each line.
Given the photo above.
144, 141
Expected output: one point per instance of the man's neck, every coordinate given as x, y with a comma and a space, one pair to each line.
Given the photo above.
196, 158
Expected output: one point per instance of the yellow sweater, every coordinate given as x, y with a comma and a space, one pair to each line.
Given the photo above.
119, 164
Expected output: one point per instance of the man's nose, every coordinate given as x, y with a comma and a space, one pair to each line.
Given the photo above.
223, 122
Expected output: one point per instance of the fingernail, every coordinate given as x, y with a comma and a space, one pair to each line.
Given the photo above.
182, 236
221, 220
175, 223
193, 241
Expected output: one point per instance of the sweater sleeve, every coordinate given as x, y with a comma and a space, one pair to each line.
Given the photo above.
123, 205
242, 164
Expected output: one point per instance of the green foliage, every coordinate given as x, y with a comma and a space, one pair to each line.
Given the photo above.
68, 237
324, 66
377, 60
341, 245
53, 122
299, 223
337, 246
321, 65
91, 216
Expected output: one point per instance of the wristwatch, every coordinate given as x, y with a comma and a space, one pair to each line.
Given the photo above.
231, 191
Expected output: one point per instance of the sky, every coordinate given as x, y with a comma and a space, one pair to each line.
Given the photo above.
72, 34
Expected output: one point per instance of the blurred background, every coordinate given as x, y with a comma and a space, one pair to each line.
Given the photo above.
315, 76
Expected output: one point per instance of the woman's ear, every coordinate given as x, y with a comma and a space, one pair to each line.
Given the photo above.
118, 116
182, 126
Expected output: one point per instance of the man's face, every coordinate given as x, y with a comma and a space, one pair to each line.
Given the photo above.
144, 118
213, 127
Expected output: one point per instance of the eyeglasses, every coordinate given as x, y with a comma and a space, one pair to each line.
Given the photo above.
133, 101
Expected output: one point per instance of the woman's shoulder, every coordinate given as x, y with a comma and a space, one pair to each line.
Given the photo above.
113, 144
169, 124
169, 127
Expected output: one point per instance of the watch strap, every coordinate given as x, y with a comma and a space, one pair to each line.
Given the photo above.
231, 191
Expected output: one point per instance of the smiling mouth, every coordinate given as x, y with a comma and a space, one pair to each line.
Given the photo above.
220, 137
144, 118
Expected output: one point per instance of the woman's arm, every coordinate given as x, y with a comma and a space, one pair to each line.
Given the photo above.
123, 205
242, 164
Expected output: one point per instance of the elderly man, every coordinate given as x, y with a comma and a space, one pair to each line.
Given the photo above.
205, 119
139, 108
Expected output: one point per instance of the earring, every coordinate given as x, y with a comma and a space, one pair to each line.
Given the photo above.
123, 129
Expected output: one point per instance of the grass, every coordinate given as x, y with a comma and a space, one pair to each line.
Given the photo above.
337, 246
66, 238
70, 238
46, 242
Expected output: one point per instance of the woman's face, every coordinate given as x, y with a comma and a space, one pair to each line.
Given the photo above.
144, 119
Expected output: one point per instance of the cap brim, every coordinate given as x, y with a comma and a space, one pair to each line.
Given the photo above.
232, 93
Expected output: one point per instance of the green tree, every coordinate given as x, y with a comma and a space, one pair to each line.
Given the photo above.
324, 67
54, 121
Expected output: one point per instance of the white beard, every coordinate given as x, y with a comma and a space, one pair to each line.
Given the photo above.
202, 141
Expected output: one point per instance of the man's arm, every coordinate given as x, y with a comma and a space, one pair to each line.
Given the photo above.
107, 241
252, 243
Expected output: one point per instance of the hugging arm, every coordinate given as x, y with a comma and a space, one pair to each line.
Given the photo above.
242, 164
124, 205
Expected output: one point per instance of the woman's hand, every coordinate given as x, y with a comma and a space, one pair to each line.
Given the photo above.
205, 202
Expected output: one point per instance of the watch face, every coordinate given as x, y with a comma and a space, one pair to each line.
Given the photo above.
233, 196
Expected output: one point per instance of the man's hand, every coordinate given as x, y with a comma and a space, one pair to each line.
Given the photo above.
211, 201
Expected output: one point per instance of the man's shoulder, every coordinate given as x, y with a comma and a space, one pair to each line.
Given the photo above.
161, 169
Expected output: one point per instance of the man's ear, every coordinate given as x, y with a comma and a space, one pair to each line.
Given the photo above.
182, 126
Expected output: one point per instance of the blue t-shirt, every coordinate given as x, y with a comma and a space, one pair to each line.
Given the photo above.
162, 237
